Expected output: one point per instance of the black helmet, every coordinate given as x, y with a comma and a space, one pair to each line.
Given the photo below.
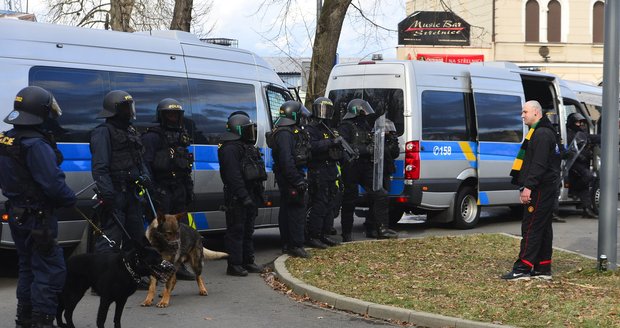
574, 118
32, 106
238, 112
323, 108
115, 102
165, 108
240, 126
291, 112
357, 107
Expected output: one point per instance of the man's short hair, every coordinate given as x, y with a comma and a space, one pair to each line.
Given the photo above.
535, 105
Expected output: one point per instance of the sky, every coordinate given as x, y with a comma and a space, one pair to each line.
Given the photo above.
242, 20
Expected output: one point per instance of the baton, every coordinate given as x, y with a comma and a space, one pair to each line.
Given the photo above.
84, 189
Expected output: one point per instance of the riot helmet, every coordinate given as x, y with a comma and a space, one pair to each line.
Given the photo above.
291, 113
238, 112
170, 113
323, 108
358, 107
118, 103
573, 119
240, 126
32, 106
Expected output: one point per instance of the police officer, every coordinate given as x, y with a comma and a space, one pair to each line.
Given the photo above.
243, 171
391, 150
118, 169
579, 175
167, 156
34, 185
291, 151
322, 175
169, 161
355, 128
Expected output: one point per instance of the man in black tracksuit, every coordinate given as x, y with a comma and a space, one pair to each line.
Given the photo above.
118, 170
580, 175
538, 177
291, 152
243, 171
322, 175
357, 131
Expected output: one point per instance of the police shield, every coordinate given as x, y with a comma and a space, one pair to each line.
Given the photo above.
379, 143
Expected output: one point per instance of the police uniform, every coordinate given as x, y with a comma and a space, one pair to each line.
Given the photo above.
118, 170
356, 130
322, 175
34, 185
291, 151
580, 175
242, 170
169, 161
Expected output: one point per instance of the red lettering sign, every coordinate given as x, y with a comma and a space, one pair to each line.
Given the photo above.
455, 59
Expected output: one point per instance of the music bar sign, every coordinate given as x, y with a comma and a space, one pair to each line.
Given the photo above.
433, 28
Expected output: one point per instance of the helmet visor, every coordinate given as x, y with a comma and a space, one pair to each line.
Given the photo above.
55, 110
324, 111
305, 112
249, 132
127, 108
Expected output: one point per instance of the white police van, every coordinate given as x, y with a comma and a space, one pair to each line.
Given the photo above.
79, 66
460, 128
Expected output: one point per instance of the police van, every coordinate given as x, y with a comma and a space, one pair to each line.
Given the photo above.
79, 66
460, 128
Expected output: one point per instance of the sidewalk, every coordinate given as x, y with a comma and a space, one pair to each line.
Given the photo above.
364, 308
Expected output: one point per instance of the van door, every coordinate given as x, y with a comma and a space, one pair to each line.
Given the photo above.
498, 98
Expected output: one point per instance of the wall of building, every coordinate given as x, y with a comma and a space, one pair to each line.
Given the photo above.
576, 57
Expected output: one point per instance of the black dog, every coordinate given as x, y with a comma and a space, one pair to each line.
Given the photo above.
113, 276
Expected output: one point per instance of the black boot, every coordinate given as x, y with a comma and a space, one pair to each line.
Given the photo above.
329, 241
24, 316
298, 252
385, 233
184, 274
371, 233
253, 267
589, 213
236, 270
346, 237
315, 243
40, 320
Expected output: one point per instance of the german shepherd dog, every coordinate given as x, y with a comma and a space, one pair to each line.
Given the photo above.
113, 276
179, 244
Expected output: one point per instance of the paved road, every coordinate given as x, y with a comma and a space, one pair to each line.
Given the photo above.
249, 302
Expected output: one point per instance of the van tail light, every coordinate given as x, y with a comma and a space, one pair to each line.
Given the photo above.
412, 160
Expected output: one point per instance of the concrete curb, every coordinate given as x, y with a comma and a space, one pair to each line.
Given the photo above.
378, 311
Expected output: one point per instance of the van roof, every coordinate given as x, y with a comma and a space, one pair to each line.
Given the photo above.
167, 41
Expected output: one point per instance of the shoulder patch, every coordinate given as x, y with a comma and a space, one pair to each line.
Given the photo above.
6, 140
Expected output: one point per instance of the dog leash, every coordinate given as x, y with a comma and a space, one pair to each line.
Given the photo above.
112, 243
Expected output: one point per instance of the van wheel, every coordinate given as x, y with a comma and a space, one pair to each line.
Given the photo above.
466, 209
596, 196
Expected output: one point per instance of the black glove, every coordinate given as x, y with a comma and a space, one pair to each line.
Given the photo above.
337, 140
145, 181
247, 202
302, 187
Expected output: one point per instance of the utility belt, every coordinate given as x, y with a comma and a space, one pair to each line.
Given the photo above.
124, 180
20, 213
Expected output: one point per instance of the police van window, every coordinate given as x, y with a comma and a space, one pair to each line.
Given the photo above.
147, 91
499, 117
80, 95
444, 116
390, 101
213, 102
275, 98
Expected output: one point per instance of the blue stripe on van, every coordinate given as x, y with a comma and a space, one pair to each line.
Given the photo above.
498, 151
200, 219
77, 157
483, 198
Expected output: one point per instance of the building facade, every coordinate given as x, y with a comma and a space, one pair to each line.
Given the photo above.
564, 37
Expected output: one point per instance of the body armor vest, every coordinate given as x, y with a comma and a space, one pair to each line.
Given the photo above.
252, 164
361, 138
333, 153
127, 149
174, 158
301, 152
12, 147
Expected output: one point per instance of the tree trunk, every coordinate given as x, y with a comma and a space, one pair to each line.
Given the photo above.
182, 15
120, 15
325, 47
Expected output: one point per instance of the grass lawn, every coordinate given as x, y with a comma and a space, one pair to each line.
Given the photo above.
459, 276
